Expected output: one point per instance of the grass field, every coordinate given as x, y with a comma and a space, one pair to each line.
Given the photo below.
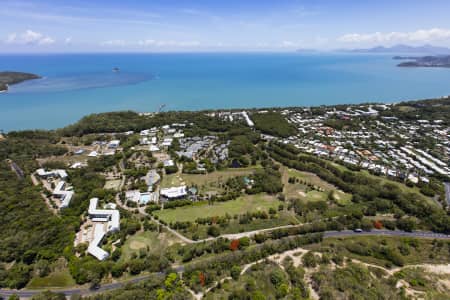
55, 279
342, 198
112, 184
206, 182
171, 180
238, 206
405, 108
301, 191
153, 241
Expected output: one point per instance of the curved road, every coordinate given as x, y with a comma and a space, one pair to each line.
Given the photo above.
327, 234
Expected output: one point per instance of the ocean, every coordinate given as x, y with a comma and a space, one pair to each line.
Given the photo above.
74, 85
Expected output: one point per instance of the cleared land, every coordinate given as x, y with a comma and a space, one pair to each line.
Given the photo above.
153, 241
239, 206
112, 184
303, 191
55, 279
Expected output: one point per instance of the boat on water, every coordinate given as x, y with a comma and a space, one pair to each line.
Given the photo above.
116, 69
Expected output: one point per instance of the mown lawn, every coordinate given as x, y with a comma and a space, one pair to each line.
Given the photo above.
248, 203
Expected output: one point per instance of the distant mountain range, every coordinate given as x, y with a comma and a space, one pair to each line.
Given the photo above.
425, 49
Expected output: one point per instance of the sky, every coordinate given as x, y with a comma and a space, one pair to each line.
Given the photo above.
211, 25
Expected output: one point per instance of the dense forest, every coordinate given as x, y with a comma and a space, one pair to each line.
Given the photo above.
129, 120
273, 123
29, 233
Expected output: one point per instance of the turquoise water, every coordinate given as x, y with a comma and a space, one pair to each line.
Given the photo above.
76, 85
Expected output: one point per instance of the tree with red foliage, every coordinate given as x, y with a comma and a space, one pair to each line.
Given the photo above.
234, 245
202, 278
377, 224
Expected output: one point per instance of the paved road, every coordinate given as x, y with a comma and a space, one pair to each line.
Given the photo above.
235, 236
327, 234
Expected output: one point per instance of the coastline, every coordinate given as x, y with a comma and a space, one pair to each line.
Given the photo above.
224, 109
208, 82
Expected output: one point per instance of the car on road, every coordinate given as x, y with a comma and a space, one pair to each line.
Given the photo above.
358, 230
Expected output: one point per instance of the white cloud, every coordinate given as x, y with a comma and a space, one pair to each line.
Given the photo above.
288, 44
191, 11
422, 35
68, 41
148, 43
29, 37
114, 43
153, 43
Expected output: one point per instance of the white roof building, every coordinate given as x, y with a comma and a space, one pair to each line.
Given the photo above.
106, 215
65, 196
93, 248
174, 192
133, 195
154, 148
247, 119
168, 163
102, 217
113, 144
52, 173
93, 154
78, 165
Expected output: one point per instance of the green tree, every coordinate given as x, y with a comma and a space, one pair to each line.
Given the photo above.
213, 231
235, 272
309, 260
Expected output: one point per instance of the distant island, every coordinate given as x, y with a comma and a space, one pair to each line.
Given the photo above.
8, 78
402, 49
442, 61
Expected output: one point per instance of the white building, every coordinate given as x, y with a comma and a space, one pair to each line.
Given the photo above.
247, 119
61, 193
153, 148
52, 173
114, 144
93, 154
173, 193
168, 163
106, 220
